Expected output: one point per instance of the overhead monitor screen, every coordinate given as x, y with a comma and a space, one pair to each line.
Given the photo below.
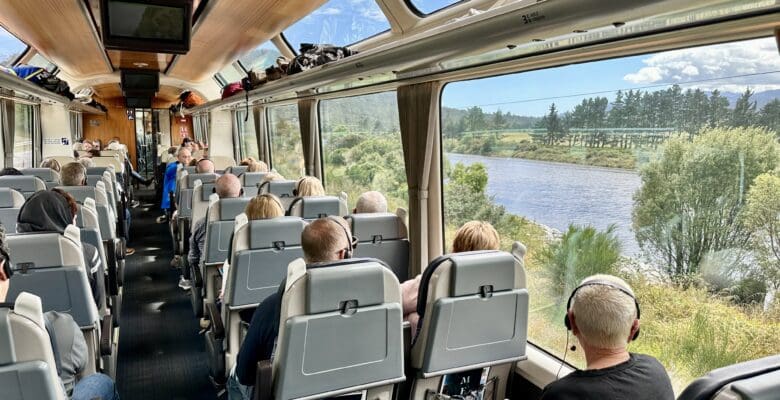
147, 25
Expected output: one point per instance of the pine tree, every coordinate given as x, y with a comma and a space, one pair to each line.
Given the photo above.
744, 111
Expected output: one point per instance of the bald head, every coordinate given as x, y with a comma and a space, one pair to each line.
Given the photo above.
325, 240
371, 202
227, 186
205, 166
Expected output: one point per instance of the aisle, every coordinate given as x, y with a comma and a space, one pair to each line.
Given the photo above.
161, 355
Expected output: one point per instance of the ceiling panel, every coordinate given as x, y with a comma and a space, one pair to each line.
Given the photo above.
63, 33
231, 28
137, 59
166, 94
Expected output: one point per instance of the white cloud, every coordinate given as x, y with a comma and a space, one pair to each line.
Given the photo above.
713, 63
328, 11
374, 14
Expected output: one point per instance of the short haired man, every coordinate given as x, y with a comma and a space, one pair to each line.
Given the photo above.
371, 202
324, 240
73, 174
205, 166
183, 157
604, 316
226, 186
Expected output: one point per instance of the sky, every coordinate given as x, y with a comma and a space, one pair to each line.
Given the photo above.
705, 67
9, 45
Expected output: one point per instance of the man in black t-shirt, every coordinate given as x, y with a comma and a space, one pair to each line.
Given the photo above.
604, 316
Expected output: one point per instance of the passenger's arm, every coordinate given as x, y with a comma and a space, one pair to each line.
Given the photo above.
196, 246
259, 339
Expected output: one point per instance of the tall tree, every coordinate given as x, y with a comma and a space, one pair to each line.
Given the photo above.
552, 122
718, 111
770, 116
744, 110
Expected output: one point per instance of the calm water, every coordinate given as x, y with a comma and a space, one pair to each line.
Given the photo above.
556, 194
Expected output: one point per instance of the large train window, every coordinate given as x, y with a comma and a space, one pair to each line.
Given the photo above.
338, 22
40, 61
425, 7
657, 168
247, 137
23, 136
286, 147
361, 147
10, 48
260, 57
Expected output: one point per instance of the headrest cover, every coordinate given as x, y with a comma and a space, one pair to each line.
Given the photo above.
332, 286
230, 208
375, 226
29, 306
269, 233
6, 198
282, 188
319, 206
474, 270
252, 178
22, 183
46, 174
26, 250
204, 178
81, 193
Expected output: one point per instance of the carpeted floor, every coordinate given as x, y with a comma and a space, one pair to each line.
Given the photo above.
161, 354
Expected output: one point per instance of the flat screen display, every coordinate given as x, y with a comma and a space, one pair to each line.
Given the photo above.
138, 102
147, 25
140, 81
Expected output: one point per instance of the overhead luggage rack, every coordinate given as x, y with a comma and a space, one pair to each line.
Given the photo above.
24, 89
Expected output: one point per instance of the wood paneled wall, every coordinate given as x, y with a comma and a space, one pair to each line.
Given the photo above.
114, 123
179, 125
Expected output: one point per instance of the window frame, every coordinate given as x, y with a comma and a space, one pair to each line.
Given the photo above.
270, 133
419, 13
23, 53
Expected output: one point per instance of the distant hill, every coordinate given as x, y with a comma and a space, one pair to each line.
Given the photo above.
761, 98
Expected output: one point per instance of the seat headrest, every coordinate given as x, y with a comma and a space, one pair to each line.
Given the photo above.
336, 286
275, 232
97, 170
207, 191
203, 178
230, 208
29, 306
237, 169
313, 207
10, 198
81, 193
26, 248
46, 174
252, 178
476, 269
22, 183
281, 188
377, 227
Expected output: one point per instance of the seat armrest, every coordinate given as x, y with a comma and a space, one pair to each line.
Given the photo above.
106, 331
112, 261
217, 326
263, 381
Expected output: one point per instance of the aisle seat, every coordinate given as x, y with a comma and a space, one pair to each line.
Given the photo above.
107, 219
113, 161
49, 176
383, 236
341, 332
283, 189
314, 207
751, 380
236, 170
59, 277
26, 185
28, 369
260, 254
250, 181
11, 202
473, 309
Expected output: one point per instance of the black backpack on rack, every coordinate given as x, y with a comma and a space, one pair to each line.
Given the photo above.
313, 55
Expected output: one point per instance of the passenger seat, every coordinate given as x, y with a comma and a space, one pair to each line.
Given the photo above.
250, 181
11, 202
383, 236
313, 207
284, 190
49, 176
750, 380
26, 185
28, 368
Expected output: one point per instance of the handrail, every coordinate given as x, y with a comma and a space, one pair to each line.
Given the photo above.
21, 86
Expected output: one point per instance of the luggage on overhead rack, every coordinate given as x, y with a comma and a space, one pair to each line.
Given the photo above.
231, 89
44, 79
313, 55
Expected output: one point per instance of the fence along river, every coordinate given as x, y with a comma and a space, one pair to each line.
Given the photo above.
558, 194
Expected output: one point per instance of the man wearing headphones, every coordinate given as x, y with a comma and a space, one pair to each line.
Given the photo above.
603, 314
324, 240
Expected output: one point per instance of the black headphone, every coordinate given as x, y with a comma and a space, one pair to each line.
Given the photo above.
351, 240
297, 187
600, 282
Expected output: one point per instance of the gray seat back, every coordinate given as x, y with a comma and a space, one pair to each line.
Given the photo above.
252, 178
474, 312
106, 218
49, 176
236, 170
751, 380
116, 177
261, 251
203, 178
58, 275
283, 189
92, 180
28, 370
340, 331
24, 184
313, 207
220, 222
383, 236
11, 202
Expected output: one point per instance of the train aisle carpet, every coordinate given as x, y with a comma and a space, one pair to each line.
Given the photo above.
161, 354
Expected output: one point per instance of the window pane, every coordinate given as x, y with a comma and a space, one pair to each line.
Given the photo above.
23, 145
431, 6
286, 147
231, 73
246, 134
261, 57
669, 174
361, 146
10, 48
338, 22
41, 61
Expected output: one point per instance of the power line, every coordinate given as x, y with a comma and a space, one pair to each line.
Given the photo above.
624, 89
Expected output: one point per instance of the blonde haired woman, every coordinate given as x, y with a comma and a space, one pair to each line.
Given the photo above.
52, 164
257, 166
309, 186
472, 236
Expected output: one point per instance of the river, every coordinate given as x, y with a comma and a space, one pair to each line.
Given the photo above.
558, 194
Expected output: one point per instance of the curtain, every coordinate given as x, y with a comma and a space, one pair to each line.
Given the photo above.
200, 127
76, 126
310, 136
37, 138
418, 107
261, 130
7, 126
237, 133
